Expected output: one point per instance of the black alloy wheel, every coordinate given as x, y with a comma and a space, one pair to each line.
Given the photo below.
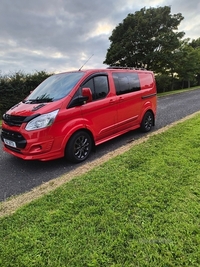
147, 122
79, 147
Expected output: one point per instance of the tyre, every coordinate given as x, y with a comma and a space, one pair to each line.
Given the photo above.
147, 122
78, 147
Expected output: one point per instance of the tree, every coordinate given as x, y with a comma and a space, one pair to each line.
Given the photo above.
187, 65
196, 45
145, 39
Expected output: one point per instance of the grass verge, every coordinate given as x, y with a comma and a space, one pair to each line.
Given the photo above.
178, 91
141, 208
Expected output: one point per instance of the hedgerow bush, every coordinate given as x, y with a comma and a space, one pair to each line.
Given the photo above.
15, 87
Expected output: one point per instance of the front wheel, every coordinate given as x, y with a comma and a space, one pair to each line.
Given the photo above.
79, 147
147, 122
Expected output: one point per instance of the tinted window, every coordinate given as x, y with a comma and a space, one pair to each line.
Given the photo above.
126, 82
99, 86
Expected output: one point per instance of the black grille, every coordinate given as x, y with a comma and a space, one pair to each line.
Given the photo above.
13, 120
14, 136
14, 149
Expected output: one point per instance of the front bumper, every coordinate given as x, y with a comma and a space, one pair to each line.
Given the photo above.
39, 147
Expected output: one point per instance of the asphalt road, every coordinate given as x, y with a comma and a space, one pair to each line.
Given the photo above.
18, 176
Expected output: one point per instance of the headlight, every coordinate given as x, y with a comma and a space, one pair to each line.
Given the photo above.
42, 121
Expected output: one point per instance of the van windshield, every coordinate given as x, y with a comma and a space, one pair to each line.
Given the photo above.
54, 88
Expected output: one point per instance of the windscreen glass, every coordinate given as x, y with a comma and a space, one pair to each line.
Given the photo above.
55, 87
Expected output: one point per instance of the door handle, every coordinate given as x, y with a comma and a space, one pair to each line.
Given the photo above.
112, 101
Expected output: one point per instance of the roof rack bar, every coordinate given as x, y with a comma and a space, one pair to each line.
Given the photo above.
129, 68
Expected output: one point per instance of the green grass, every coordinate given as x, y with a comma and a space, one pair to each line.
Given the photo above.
178, 91
141, 208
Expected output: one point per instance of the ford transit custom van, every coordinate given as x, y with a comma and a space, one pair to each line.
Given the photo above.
70, 113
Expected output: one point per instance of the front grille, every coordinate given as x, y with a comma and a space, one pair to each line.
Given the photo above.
14, 136
12, 120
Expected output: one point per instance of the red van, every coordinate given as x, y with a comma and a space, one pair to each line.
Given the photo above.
70, 113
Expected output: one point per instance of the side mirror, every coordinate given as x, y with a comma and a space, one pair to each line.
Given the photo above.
81, 99
86, 92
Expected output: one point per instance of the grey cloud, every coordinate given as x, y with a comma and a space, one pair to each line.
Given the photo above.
53, 35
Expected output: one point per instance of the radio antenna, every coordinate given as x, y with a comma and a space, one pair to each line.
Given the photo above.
86, 62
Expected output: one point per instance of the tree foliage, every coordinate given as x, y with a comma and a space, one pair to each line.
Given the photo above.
188, 64
145, 39
195, 44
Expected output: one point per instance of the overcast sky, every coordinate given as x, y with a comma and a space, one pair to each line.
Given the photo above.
61, 35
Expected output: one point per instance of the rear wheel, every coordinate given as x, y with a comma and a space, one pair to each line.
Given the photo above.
79, 147
147, 122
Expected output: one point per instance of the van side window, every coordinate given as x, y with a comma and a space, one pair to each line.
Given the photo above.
126, 82
99, 86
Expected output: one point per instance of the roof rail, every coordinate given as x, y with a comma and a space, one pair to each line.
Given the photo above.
128, 68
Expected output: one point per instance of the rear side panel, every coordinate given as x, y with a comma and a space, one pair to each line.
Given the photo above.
148, 92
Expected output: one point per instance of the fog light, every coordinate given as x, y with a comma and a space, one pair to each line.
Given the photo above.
36, 149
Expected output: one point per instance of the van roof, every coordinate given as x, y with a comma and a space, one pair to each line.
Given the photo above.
114, 68
111, 68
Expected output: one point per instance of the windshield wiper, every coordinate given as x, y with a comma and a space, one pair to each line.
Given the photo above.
37, 100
